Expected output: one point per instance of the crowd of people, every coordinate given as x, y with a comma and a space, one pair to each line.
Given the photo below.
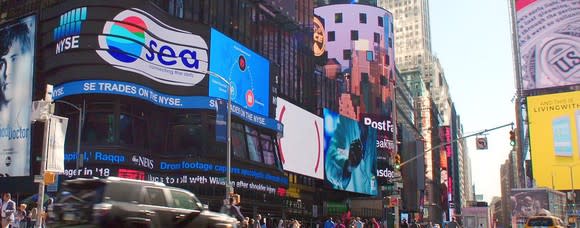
21, 215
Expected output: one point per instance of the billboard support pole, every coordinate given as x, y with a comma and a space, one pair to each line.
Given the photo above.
396, 148
519, 96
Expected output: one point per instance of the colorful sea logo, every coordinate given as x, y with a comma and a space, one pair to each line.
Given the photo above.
127, 39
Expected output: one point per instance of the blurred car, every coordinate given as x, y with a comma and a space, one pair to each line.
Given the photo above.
544, 221
119, 202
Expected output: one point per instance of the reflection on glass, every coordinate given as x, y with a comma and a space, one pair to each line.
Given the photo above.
253, 144
238, 141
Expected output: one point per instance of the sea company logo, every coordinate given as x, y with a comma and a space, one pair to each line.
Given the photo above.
67, 33
133, 41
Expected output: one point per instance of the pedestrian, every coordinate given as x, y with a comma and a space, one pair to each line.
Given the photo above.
235, 210
374, 223
404, 224
256, 223
340, 224
8, 210
295, 224
329, 223
281, 224
21, 220
453, 224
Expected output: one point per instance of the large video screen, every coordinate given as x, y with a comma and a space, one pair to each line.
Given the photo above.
301, 148
555, 139
17, 42
350, 154
248, 73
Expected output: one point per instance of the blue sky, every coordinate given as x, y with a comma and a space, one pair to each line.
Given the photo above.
472, 40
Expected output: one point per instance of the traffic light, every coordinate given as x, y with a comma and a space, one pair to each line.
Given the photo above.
397, 161
512, 138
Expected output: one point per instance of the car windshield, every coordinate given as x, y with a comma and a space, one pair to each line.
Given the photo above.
82, 192
540, 222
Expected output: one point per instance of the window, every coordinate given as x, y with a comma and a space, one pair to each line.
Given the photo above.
346, 54
380, 21
268, 149
155, 196
338, 18
184, 200
253, 144
239, 148
185, 134
123, 192
370, 56
377, 37
353, 34
362, 18
331, 36
99, 128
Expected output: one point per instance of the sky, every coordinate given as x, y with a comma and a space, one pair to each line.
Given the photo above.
472, 40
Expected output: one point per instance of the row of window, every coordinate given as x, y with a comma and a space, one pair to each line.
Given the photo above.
140, 126
362, 18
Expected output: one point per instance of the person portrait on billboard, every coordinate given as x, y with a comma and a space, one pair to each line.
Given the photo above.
526, 205
350, 162
16, 70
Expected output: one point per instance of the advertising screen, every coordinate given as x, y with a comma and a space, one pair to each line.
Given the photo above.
17, 42
384, 144
186, 171
247, 72
549, 43
301, 148
554, 138
350, 154
527, 203
130, 40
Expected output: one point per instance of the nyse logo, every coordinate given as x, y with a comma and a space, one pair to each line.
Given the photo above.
67, 33
143, 161
384, 125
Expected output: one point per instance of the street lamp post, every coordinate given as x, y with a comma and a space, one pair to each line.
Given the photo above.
229, 187
79, 161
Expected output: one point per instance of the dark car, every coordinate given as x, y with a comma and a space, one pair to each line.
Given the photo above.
118, 202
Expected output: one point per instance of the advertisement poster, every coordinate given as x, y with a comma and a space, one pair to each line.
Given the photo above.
301, 148
554, 138
527, 203
350, 154
549, 40
16, 76
248, 73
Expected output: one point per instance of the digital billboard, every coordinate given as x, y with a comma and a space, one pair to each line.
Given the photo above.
527, 203
549, 43
130, 40
350, 154
301, 148
191, 171
554, 122
17, 48
247, 72
384, 144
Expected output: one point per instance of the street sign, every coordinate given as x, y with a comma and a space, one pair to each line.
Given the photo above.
481, 143
38, 179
